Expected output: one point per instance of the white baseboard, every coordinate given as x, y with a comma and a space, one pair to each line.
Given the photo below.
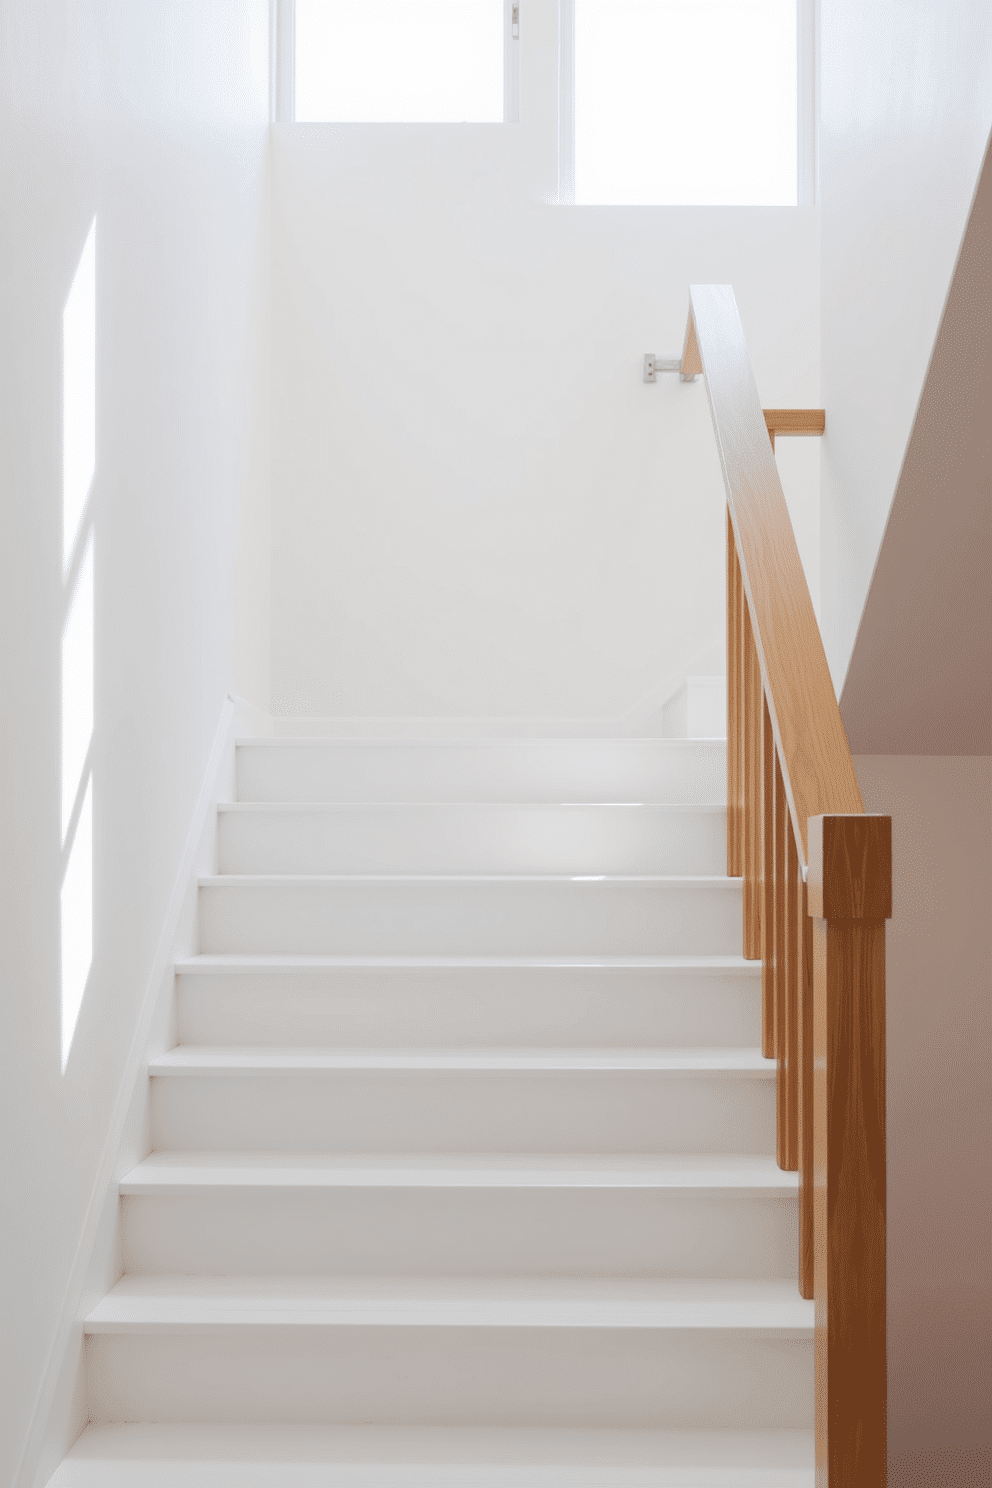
59, 1412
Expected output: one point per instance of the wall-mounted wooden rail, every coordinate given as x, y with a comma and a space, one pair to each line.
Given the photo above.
817, 890
792, 421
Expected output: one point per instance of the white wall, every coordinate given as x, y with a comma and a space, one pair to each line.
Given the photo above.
150, 119
480, 511
906, 107
939, 1108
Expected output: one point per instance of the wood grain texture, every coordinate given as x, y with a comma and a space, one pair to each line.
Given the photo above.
735, 843
752, 795
850, 878
785, 1137
804, 1035
792, 953
808, 421
849, 1202
769, 997
691, 362
850, 867
816, 761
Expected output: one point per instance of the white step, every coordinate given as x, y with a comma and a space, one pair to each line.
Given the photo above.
481, 770
472, 837
463, 1351
299, 1000
327, 1457
475, 1100
470, 916
479, 1214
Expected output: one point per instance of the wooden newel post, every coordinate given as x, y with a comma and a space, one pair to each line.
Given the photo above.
850, 898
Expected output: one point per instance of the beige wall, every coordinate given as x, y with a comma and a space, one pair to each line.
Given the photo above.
920, 678
939, 996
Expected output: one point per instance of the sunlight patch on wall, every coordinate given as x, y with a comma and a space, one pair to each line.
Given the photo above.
78, 395
78, 636
77, 922
77, 687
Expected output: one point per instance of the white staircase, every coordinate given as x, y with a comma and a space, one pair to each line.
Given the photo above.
462, 1168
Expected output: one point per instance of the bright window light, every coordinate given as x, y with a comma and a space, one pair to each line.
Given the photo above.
77, 922
686, 102
78, 395
77, 687
399, 61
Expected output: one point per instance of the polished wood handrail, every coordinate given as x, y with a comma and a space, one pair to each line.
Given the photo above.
817, 768
796, 420
792, 421
817, 888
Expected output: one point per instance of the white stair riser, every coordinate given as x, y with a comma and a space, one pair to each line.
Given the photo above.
498, 770
461, 1231
462, 917
144, 1456
472, 838
478, 1007
389, 1111
455, 1376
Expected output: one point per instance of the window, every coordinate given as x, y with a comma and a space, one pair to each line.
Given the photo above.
401, 61
683, 102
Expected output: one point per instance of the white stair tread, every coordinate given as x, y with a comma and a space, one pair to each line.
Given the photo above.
145, 1456
163, 1173
714, 881
178, 1303
221, 963
411, 743
676, 808
253, 1060
556, 744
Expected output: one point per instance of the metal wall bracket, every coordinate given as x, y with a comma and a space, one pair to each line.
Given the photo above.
655, 364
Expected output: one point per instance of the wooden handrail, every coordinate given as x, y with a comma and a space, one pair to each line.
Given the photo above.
792, 421
803, 421
817, 891
809, 735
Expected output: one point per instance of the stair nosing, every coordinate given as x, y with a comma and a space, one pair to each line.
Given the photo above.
677, 808
142, 1305
294, 880
332, 741
223, 1172
223, 962
250, 1060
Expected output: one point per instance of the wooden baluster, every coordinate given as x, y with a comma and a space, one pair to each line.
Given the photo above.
804, 1124
792, 952
785, 1131
769, 1000
752, 794
735, 721
850, 898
